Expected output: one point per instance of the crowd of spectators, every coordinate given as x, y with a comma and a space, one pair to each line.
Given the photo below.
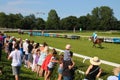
42, 60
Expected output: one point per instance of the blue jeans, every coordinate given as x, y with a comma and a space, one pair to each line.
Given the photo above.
67, 78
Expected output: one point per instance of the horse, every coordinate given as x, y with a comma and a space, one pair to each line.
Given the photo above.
97, 41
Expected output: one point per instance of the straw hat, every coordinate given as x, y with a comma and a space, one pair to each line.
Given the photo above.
95, 61
68, 46
26, 39
116, 71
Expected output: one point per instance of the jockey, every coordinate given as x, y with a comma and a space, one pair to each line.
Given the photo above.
94, 36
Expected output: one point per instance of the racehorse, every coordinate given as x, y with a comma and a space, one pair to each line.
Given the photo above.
98, 41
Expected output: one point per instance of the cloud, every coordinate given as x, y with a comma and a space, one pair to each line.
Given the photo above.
21, 6
25, 2
13, 3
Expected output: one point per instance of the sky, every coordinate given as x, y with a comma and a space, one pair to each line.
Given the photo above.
64, 8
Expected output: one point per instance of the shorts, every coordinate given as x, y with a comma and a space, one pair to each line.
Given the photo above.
60, 70
30, 58
50, 69
67, 78
26, 57
16, 70
23, 52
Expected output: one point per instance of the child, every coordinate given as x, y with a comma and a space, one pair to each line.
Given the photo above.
60, 68
35, 59
51, 64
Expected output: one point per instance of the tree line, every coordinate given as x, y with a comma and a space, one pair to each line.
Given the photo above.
100, 18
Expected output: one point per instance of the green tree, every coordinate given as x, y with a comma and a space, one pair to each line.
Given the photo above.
40, 24
84, 22
107, 18
3, 18
95, 18
10, 21
69, 23
29, 22
18, 20
52, 20
102, 18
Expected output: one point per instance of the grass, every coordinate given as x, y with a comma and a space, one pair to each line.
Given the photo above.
26, 74
82, 46
100, 33
110, 51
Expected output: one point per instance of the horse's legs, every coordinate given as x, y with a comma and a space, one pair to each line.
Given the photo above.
94, 45
100, 45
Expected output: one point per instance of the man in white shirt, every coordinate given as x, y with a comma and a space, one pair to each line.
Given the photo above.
16, 61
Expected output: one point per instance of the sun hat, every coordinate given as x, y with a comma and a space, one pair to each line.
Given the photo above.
68, 46
116, 71
26, 39
95, 61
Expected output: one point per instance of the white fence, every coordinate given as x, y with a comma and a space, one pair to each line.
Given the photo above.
86, 57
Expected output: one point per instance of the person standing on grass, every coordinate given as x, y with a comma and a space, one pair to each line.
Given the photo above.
30, 47
16, 61
60, 68
1, 49
25, 52
44, 50
51, 64
94, 71
1, 38
68, 64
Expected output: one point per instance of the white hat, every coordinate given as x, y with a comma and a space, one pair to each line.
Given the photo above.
34, 43
68, 46
12, 37
95, 61
26, 39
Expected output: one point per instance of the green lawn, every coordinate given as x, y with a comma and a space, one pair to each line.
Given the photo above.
110, 51
26, 74
100, 33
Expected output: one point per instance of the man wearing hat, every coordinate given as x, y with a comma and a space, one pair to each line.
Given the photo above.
93, 70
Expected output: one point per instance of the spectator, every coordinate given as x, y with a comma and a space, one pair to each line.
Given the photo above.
16, 61
45, 63
35, 56
67, 56
68, 64
44, 52
116, 75
60, 68
25, 51
51, 64
1, 49
1, 37
93, 70
30, 57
